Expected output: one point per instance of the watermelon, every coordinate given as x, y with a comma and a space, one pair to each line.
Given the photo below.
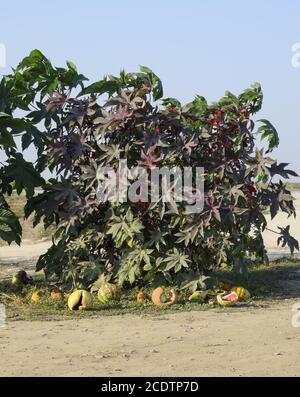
107, 293
232, 297
228, 300
20, 278
242, 292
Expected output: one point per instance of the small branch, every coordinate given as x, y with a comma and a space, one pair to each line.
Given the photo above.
273, 231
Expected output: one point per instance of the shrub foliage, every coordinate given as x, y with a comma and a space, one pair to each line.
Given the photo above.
77, 129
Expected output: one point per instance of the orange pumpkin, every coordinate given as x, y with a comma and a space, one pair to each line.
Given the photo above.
36, 296
158, 297
56, 293
141, 297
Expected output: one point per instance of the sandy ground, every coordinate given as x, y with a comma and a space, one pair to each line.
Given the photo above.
28, 250
243, 342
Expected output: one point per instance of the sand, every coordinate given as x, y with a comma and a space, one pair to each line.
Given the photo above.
234, 342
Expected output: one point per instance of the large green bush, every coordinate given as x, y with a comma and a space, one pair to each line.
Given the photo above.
78, 129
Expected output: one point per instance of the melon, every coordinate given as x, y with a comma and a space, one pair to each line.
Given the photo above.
107, 293
20, 278
198, 296
242, 292
79, 300
16, 281
228, 300
141, 297
159, 299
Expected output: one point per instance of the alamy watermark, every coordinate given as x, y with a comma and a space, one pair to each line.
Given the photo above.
157, 184
296, 315
2, 56
295, 60
2, 315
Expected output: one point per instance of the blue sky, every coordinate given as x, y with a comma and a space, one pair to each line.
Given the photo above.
196, 47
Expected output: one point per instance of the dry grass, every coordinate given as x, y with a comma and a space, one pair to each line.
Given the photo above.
293, 186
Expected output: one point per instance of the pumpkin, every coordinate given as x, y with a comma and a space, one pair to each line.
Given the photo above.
36, 296
242, 292
141, 297
56, 293
79, 300
158, 297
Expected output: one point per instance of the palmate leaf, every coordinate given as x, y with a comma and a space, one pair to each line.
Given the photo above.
6, 139
24, 175
148, 241
35, 58
280, 169
286, 239
157, 87
234, 192
101, 87
124, 228
252, 98
10, 228
132, 264
198, 106
229, 99
192, 281
53, 260
85, 273
10, 126
110, 152
259, 165
16, 125
34, 136
189, 233
5, 93
157, 239
269, 132
176, 260
129, 271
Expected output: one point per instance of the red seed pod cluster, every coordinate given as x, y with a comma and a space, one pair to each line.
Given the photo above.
216, 121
